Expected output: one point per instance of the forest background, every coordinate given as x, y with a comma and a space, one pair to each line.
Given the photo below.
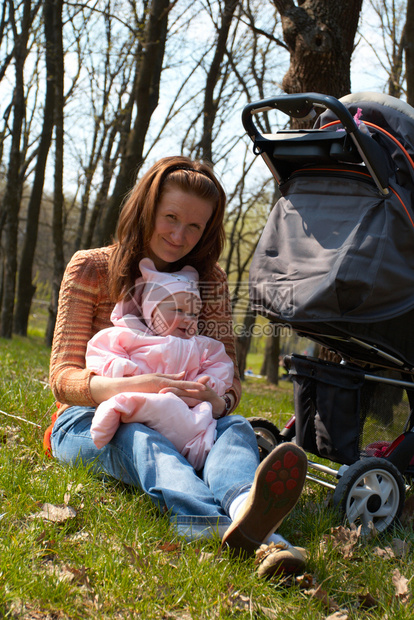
93, 92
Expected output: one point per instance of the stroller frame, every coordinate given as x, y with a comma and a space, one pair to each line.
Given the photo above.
368, 490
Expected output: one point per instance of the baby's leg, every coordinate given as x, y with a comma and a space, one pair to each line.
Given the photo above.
109, 414
169, 415
105, 423
204, 426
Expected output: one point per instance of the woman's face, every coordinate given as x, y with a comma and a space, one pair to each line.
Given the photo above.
180, 221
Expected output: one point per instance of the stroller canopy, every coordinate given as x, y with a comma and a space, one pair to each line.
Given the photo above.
334, 249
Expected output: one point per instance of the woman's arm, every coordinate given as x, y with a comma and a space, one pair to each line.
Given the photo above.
103, 388
84, 309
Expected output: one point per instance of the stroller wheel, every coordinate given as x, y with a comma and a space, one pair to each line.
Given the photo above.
371, 490
267, 435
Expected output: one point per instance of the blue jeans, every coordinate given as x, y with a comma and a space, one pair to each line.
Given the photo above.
198, 502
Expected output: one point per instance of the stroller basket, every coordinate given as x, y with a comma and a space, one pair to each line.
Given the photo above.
341, 416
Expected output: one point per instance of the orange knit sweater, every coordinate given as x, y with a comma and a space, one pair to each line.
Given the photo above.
85, 308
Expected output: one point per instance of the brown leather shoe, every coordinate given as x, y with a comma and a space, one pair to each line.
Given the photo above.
280, 559
276, 488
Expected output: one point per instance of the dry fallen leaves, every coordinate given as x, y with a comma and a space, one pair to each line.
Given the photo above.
321, 595
307, 583
58, 513
386, 553
72, 489
136, 559
168, 547
312, 588
25, 610
178, 615
367, 601
304, 581
205, 556
402, 592
238, 602
10, 435
344, 539
79, 575
398, 549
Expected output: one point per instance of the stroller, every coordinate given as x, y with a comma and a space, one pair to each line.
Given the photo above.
336, 263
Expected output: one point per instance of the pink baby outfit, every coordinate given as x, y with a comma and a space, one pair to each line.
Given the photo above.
130, 348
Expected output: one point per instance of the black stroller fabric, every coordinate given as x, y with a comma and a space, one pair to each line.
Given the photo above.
335, 252
327, 408
331, 249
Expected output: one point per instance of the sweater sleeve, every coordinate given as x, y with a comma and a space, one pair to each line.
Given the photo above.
82, 311
216, 320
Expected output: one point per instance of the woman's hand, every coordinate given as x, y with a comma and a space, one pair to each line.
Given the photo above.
102, 388
203, 392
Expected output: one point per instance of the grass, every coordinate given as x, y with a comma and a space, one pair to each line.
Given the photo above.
119, 558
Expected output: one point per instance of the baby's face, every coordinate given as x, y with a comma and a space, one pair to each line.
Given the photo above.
177, 315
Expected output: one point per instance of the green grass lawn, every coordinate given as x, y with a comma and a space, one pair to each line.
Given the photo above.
108, 553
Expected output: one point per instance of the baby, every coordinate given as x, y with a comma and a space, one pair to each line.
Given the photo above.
163, 339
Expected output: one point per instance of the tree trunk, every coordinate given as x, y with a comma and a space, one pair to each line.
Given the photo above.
26, 288
210, 103
89, 174
11, 205
243, 341
110, 120
108, 167
12, 195
320, 37
270, 367
409, 51
3, 133
57, 223
147, 95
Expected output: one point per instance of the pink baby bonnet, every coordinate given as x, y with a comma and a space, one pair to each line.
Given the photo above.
150, 289
158, 285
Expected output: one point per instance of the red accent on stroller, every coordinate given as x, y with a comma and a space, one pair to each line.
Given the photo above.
336, 263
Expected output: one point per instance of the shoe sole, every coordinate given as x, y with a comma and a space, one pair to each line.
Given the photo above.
277, 486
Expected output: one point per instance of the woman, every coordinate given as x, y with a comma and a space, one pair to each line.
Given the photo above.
159, 334
174, 216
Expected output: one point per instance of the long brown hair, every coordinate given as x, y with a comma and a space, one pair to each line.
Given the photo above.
137, 220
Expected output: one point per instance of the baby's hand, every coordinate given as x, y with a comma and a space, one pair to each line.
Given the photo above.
199, 391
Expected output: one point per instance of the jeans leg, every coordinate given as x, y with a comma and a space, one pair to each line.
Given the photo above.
142, 457
232, 462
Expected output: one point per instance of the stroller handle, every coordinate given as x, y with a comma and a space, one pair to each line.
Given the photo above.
302, 106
